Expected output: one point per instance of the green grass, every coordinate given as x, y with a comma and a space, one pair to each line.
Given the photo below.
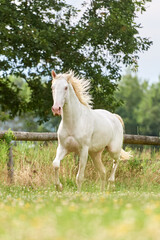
44, 214
31, 209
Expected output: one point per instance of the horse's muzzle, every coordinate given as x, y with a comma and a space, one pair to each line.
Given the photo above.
56, 110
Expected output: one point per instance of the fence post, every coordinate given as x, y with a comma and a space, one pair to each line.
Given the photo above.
10, 165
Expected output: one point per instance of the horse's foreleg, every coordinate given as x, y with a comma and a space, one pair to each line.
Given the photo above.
60, 154
82, 165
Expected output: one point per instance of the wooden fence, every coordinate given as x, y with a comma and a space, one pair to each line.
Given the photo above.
47, 136
35, 136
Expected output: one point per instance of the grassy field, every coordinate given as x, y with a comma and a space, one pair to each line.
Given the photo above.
31, 209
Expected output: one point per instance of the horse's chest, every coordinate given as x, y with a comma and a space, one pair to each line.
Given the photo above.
71, 144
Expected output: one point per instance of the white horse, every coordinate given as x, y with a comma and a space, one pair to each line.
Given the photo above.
83, 130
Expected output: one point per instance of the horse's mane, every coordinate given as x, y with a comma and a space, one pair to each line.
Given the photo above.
81, 87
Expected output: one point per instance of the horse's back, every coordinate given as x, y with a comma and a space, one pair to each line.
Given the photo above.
108, 119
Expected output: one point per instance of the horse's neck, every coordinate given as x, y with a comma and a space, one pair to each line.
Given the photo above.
71, 110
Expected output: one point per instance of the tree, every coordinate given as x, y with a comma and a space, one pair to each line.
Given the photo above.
27, 121
40, 35
131, 93
141, 104
148, 115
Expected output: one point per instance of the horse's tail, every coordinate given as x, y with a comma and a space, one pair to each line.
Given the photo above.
125, 155
120, 119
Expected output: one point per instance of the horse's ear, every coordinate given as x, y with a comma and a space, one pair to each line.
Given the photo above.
70, 75
53, 74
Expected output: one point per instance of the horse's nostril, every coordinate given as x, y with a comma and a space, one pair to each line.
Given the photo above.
56, 110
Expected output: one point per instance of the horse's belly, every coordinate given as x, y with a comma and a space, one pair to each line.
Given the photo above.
71, 144
99, 143
101, 137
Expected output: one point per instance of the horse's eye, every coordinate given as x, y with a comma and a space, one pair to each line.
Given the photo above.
66, 88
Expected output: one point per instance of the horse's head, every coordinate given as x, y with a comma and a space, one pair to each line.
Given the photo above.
59, 93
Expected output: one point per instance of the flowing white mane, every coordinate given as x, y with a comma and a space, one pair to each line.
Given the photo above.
81, 87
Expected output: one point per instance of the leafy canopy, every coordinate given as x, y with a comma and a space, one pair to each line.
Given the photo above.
140, 110
37, 36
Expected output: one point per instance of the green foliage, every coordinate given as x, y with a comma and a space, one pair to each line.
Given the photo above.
16, 99
8, 137
148, 113
4, 147
140, 108
3, 154
131, 93
10, 99
37, 36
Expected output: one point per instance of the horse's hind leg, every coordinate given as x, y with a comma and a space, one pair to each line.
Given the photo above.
96, 157
111, 180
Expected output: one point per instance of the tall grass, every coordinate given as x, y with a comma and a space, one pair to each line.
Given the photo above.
3, 153
33, 167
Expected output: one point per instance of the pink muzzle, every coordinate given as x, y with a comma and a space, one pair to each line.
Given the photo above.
57, 110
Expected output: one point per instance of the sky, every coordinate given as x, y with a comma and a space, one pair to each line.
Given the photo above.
149, 61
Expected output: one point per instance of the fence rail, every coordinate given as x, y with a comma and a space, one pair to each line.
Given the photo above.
47, 136
140, 139
32, 136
